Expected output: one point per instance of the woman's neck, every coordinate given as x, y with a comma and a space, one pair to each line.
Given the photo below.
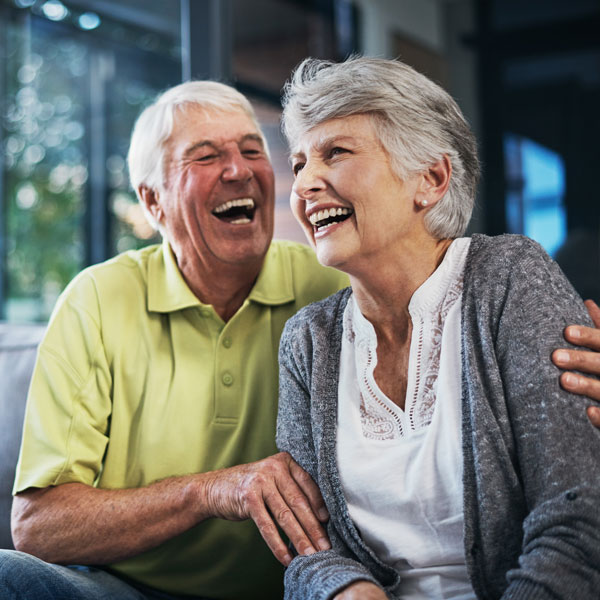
383, 291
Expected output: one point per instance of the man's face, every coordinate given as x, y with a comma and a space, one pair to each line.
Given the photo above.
217, 200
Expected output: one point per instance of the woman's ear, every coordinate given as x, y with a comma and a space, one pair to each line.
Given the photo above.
150, 199
434, 182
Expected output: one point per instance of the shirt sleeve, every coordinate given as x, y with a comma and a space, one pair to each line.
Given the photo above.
68, 405
556, 448
321, 575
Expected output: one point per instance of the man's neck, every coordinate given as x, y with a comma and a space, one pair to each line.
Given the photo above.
224, 286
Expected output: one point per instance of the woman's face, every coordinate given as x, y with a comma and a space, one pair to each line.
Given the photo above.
354, 210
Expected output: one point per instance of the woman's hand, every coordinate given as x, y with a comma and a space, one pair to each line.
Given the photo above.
361, 590
580, 360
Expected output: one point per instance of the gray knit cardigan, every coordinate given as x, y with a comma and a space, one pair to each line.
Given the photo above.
531, 459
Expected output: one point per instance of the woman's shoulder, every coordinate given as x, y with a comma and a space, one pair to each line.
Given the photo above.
319, 317
505, 249
323, 309
516, 266
509, 256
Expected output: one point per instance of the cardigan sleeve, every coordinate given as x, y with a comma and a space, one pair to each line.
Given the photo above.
323, 574
554, 448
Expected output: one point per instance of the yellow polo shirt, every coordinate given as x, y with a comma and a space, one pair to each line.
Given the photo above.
136, 380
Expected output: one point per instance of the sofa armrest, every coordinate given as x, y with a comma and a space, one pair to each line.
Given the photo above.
18, 351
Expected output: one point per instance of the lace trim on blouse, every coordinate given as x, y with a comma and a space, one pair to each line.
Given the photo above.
381, 419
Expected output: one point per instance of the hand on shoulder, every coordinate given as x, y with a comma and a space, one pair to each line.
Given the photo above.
586, 361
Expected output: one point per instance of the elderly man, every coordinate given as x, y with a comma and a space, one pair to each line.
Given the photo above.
153, 402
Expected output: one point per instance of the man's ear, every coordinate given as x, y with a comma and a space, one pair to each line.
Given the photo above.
150, 199
434, 182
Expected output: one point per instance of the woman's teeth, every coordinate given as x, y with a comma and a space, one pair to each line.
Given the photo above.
329, 215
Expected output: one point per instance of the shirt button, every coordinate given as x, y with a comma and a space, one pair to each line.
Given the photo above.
205, 312
227, 342
227, 379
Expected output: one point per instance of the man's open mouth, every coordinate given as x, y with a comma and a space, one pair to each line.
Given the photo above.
236, 212
328, 216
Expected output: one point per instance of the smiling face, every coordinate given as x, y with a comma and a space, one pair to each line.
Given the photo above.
354, 209
217, 200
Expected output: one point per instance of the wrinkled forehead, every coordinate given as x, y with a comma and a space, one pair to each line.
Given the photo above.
355, 128
195, 124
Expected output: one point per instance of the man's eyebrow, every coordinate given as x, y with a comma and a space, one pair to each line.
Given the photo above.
191, 149
253, 137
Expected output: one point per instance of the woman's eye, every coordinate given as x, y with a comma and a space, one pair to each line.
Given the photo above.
336, 151
206, 158
297, 167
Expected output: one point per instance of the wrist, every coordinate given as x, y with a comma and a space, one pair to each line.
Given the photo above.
198, 498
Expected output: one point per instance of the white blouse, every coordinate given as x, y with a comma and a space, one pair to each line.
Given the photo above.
401, 471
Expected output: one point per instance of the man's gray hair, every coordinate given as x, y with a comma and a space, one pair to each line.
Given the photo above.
416, 121
155, 125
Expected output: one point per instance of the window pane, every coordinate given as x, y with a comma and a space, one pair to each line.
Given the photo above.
46, 167
71, 92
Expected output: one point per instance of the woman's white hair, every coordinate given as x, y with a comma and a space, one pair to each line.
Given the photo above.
155, 125
417, 122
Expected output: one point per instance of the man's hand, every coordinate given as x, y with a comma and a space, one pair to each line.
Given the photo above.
74, 523
580, 360
361, 590
273, 491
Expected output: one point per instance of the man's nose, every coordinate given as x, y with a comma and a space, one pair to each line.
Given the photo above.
236, 167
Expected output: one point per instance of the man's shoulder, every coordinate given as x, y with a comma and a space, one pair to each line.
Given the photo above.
122, 276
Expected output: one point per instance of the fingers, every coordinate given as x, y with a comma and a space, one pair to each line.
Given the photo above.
594, 311
294, 508
577, 360
583, 336
269, 532
593, 413
273, 496
578, 384
310, 489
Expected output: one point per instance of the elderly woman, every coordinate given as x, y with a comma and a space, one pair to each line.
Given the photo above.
421, 399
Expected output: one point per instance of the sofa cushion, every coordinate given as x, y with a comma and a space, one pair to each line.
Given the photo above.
18, 350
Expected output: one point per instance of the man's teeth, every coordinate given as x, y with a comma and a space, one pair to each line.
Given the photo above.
246, 202
327, 213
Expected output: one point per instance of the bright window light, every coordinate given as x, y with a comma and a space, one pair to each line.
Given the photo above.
55, 10
89, 21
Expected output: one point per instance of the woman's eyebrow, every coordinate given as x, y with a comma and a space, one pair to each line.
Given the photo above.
325, 143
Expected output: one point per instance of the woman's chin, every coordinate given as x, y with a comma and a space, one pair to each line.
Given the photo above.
329, 257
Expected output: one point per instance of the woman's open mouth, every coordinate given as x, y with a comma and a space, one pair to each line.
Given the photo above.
328, 216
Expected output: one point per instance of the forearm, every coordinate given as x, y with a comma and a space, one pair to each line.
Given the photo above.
76, 523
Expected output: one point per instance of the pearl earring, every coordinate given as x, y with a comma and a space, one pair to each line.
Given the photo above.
424, 203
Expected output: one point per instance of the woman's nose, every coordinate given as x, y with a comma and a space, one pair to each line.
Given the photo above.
309, 181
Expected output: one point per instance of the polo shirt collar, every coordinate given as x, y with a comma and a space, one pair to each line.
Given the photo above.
274, 284
168, 291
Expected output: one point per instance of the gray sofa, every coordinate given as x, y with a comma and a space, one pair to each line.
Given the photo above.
18, 349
